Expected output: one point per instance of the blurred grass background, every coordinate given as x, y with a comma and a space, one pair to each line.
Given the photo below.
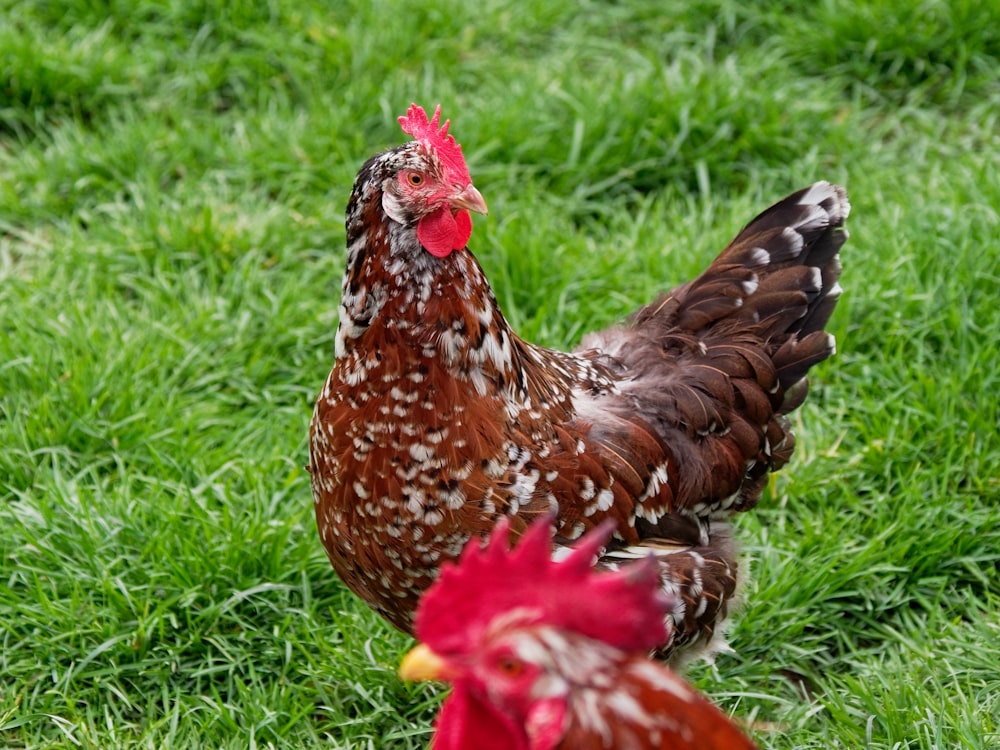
172, 183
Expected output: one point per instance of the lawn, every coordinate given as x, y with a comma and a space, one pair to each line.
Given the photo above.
172, 183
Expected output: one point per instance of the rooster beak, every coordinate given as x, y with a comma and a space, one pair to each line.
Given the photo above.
422, 664
470, 199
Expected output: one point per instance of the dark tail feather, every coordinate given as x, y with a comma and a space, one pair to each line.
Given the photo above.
805, 230
781, 271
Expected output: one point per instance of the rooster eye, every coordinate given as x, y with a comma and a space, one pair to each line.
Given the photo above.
415, 178
510, 666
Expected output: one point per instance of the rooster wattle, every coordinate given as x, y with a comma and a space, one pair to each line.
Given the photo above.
546, 655
437, 421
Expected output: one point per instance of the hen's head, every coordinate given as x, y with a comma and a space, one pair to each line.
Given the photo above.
520, 635
428, 184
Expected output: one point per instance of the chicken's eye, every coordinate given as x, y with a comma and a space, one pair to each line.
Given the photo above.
509, 666
415, 178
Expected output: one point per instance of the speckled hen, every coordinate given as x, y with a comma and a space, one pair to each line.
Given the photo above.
437, 420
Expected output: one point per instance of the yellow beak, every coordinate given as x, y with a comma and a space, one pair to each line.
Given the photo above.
422, 664
470, 199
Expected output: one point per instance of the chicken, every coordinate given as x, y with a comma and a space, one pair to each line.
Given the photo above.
437, 420
546, 655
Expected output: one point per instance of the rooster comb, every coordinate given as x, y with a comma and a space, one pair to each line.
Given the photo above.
436, 138
624, 608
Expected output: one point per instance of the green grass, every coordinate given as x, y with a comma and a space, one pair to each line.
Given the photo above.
172, 183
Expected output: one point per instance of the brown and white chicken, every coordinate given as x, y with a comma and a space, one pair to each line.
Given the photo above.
437, 420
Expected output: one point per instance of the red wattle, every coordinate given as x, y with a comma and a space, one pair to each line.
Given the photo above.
544, 723
441, 232
463, 229
466, 721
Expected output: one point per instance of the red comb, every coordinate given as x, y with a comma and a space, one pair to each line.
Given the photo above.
426, 131
623, 608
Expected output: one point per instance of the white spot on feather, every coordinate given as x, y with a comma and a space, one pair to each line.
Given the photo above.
605, 499
759, 257
421, 452
794, 238
817, 193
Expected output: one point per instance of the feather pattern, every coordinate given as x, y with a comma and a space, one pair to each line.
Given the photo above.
437, 420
